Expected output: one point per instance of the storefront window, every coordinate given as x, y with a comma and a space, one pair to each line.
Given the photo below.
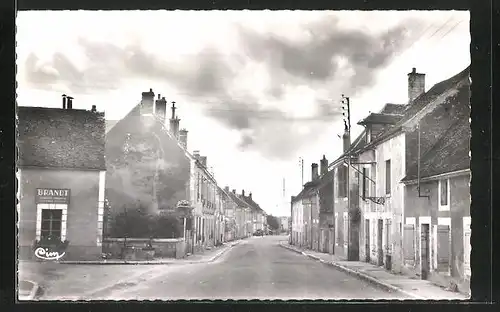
51, 223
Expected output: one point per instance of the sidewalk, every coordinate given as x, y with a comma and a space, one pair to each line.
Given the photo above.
414, 288
74, 280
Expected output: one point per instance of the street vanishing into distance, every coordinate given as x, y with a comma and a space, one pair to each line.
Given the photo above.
256, 268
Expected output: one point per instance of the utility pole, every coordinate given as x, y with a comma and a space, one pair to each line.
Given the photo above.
301, 164
352, 252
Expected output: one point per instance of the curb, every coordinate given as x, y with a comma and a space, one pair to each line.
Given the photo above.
33, 292
146, 262
363, 276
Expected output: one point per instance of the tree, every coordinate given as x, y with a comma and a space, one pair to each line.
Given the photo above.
273, 222
135, 222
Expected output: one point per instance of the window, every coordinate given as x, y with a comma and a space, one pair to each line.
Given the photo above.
388, 177
342, 181
51, 223
366, 188
444, 194
336, 229
368, 134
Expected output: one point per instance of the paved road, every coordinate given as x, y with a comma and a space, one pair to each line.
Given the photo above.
257, 268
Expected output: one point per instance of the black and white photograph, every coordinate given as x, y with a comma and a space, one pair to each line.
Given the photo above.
243, 155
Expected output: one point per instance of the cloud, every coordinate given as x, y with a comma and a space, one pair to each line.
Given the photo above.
327, 58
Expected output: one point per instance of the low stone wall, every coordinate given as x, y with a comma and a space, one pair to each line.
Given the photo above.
163, 248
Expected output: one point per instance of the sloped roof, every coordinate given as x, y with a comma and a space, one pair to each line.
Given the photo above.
252, 203
120, 125
239, 201
450, 153
61, 138
421, 102
378, 118
390, 108
110, 124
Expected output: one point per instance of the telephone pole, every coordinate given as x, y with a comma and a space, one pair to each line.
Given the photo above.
353, 240
301, 164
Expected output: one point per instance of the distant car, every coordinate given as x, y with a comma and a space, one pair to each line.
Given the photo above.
258, 233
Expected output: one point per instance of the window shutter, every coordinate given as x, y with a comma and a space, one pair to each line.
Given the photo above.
467, 246
443, 244
409, 242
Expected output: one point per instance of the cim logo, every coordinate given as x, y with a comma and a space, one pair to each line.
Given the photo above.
45, 253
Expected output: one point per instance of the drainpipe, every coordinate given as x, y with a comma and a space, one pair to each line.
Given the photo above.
418, 164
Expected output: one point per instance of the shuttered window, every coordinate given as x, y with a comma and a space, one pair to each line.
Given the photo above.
365, 183
467, 246
409, 243
442, 248
336, 229
388, 177
346, 229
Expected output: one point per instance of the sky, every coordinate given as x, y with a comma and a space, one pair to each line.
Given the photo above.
257, 90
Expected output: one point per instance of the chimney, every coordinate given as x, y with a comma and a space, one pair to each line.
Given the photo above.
234, 191
183, 137
196, 154
64, 101
226, 189
243, 193
174, 121
176, 127
314, 172
250, 195
416, 85
94, 108
161, 108
346, 138
147, 102
69, 102
324, 165
203, 161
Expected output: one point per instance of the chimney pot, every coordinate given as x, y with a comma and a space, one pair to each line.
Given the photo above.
243, 193
64, 101
159, 96
150, 90
94, 108
324, 165
234, 191
69, 102
250, 195
314, 171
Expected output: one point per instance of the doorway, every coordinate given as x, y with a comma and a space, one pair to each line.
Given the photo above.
367, 240
380, 250
424, 251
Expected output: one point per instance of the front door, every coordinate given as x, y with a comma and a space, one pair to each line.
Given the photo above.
424, 251
367, 240
380, 231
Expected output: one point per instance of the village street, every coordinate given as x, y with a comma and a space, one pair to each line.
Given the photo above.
257, 268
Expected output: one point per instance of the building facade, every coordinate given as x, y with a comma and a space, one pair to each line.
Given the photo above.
62, 176
149, 162
395, 147
436, 231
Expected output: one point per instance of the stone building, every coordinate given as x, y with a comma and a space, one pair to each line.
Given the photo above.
62, 174
148, 162
390, 154
437, 200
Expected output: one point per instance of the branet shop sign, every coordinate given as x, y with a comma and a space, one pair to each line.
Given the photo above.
52, 196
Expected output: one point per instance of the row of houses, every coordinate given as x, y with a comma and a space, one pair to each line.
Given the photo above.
76, 174
398, 196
